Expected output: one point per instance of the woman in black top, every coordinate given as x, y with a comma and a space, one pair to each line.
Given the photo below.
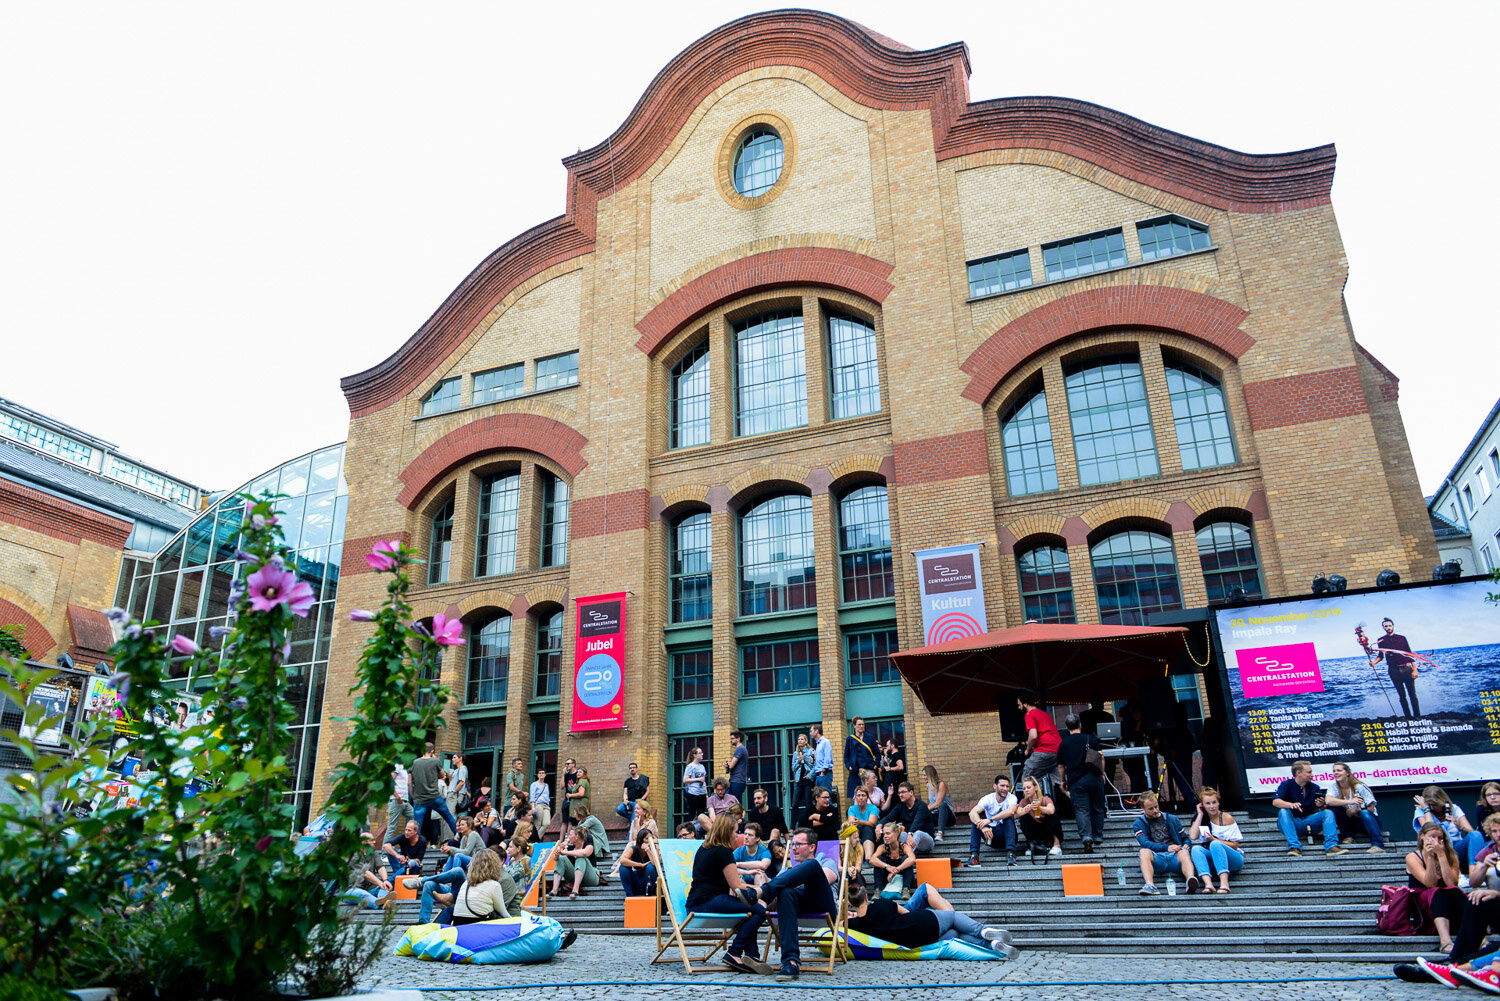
926, 919
1085, 784
718, 889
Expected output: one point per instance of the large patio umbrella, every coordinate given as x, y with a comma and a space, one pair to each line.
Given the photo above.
1062, 663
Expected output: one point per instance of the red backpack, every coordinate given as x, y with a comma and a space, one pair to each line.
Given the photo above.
1401, 912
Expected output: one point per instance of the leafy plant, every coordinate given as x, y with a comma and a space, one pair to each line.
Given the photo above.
195, 891
10, 642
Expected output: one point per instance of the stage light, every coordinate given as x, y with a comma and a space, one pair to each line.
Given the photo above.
1337, 583
1236, 596
1387, 578
63, 660
1320, 584
1452, 570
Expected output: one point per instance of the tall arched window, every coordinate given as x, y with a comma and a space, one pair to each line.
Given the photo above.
1030, 465
690, 399
692, 567
549, 648
1203, 438
771, 368
440, 544
554, 520
776, 556
499, 511
1226, 550
1111, 421
865, 544
489, 661
1046, 585
1135, 572
854, 366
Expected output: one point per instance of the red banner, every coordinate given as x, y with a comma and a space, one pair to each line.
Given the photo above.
599, 663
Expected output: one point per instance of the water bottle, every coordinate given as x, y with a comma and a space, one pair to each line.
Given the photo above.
1171, 887
1121, 874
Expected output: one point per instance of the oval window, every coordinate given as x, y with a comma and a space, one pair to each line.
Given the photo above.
758, 161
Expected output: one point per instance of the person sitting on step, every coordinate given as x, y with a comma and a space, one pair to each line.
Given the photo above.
1219, 847
912, 814
1164, 847
1039, 820
894, 859
994, 820
637, 873
1303, 808
753, 856
575, 864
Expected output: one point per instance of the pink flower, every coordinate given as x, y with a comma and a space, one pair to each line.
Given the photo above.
386, 555
448, 632
361, 615
183, 645
300, 598
270, 587
263, 843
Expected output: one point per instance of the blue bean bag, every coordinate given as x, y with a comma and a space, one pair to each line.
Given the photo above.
524, 939
864, 946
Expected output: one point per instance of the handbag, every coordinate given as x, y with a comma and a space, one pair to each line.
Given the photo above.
1093, 760
1401, 911
894, 888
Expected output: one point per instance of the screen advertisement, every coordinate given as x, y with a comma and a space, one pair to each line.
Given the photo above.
599, 663
1402, 684
952, 590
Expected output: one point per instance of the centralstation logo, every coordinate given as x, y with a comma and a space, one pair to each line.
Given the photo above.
602, 619
1279, 670
948, 573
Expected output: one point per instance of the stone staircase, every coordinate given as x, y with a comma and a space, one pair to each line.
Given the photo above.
1308, 908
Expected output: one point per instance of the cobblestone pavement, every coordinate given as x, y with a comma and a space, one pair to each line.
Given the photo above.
1035, 976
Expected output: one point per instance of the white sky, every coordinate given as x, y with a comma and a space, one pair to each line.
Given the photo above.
206, 202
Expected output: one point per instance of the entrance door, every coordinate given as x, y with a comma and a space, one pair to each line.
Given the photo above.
770, 764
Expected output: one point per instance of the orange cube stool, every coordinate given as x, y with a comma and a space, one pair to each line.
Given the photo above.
1083, 880
640, 912
402, 892
936, 871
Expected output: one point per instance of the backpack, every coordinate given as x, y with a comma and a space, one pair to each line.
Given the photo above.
1401, 912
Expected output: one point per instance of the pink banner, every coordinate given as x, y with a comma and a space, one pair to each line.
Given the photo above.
599, 663
1279, 670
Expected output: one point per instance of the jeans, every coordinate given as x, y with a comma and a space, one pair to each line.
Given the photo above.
362, 897
1041, 764
412, 868
452, 878
625, 811
397, 813
920, 840
458, 860
1223, 858
1366, 822
942, 814
1006, 838
1471, 845
744, 936
1088, 807
800, 889
1292, 827
824, 779
801, 801
638, 881
953, 924
737, 790
441, 806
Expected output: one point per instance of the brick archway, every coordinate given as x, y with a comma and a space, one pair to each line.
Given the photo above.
524, 432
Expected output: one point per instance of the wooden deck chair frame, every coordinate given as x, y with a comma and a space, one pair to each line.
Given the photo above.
712, 932
837, 923
538, 880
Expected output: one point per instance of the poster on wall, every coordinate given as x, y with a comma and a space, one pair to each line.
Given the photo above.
53, 699
1401, 684
599, 663
952, 589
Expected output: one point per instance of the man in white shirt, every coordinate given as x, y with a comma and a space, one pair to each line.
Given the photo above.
995, 813
458, 784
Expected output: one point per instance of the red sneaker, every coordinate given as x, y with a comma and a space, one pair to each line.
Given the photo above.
1486, 979
1441, 972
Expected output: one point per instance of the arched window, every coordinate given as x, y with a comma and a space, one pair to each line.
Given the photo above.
692, 567
1111, 421
1046, 585
499, 511
776, 556
690, 396
865, 545
440, 544
554, 520
489, 661
1203, 437
854, 366
758, 161
1226, 550
1135, 572
771, 367
1030, 465
549, 648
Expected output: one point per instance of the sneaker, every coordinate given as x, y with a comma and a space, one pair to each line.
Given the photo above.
568, 939
1486, 979
1441, 972
1005, 949
1193, 884
412, 882
741, 964
1149, 890
1088, 847
1010, 858
973, 863
1375, 850
1347, 839
788, 971
992, 934
1294, 852
1336, 850
939, 836
1056, 850
1410, 973
755, 964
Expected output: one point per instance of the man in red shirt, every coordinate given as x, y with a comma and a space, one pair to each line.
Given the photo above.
1042, 739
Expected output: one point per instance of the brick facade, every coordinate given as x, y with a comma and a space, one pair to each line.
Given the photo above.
899, 182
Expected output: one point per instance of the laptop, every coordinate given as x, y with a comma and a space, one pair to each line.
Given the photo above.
1109, 733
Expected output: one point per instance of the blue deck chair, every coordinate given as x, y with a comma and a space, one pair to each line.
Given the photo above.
541, 854
673, 859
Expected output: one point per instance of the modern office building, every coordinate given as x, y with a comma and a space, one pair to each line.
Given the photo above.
810, 309
1465, 517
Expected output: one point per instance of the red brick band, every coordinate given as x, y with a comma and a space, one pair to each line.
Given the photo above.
626, 511
34, 636
1303, 399
523, 432
945, 457
61, 519
842, 269
1201, 317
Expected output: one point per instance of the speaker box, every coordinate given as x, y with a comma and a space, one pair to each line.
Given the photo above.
1158, 704
1012, 719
